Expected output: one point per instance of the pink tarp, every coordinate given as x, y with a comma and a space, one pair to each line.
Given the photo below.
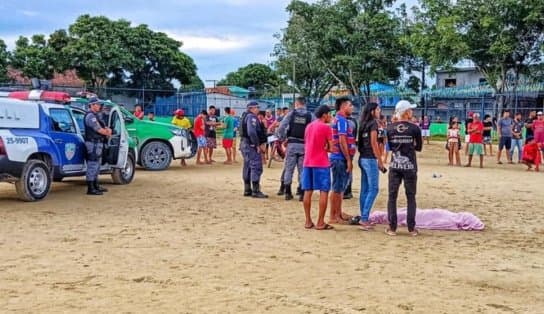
436, 219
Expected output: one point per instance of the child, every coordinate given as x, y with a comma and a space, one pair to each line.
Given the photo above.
532, 155
453, 144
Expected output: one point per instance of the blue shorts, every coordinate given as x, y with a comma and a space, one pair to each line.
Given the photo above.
316, 179
201, 141
340, 178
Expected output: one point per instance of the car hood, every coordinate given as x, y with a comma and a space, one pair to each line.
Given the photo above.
159, 123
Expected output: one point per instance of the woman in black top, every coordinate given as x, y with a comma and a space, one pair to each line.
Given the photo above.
370, 161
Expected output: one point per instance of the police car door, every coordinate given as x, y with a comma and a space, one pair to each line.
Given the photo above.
68, 141
117, 152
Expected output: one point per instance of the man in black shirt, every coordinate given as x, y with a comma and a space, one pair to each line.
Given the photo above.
529, 134
468, 121
404, 140
488, 141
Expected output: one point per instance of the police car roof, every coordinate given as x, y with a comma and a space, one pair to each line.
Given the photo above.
15, 113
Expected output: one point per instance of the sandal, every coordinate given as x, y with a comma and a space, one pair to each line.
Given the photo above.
414, 233
310, 226
325, 227
365, 226
390, 232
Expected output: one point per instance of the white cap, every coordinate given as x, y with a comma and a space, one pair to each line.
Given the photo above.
403, 105
540, 112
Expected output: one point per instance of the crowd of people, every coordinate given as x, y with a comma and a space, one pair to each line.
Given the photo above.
515, 135
322, 147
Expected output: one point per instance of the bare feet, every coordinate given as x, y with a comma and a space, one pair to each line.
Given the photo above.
309, 225
324, 227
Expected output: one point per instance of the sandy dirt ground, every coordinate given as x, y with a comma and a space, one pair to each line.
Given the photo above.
185, 241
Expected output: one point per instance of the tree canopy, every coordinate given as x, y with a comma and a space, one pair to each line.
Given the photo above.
4, 60
255, 75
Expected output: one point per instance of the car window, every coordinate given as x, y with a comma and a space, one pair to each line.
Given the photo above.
80, 120
115, 123
62, 120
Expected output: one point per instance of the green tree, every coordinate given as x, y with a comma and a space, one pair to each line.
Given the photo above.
33, 57
500, 37
254, 75
195, 84
4, 61
96, 49
413, 83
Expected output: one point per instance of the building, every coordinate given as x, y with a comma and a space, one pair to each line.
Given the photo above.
459, 77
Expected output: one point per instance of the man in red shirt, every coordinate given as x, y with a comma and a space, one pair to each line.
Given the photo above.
476, 142
201, 138
316, 173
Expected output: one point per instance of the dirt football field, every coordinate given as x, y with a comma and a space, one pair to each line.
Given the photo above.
185, 240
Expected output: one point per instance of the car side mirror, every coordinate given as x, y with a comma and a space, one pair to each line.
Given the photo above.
129, 119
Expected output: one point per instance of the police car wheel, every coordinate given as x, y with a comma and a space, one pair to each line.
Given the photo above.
35, 181
156, 156
125, 175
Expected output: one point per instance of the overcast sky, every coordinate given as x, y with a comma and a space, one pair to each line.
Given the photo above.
220, 35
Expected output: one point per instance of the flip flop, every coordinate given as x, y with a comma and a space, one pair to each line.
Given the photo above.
310, 227
390, 232
414, 233
325, 227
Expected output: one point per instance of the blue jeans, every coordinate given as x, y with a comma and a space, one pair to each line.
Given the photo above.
519, 144
370, 179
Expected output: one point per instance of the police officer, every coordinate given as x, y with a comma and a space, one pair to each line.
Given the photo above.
292, 128
95, 134
251, 131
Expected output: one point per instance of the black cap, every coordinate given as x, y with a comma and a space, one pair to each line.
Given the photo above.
321, 110
252, 104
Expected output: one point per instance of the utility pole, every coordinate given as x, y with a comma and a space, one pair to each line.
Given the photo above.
214, 81
294, 55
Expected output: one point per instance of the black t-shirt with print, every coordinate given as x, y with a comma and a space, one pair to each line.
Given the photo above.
364, 144
467, 122
517, 127
487, 124
210, 129
404, 140
529, 131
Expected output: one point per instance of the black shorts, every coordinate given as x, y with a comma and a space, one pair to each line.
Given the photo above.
505, 142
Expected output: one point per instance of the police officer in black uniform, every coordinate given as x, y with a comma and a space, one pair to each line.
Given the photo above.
96, 133
250, 146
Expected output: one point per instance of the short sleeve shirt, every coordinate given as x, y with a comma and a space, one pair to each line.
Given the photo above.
506, 127
341, 127
316, 137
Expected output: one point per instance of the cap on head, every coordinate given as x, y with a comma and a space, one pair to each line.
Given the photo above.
322, 110
403, 106
94, 100
179, 112
252, 104
539, 113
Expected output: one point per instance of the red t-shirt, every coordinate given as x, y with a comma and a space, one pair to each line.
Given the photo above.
316, 137
139, 114
476, 137
538, 130
199, 127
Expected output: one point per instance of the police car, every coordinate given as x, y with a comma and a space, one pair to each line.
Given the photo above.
42, 142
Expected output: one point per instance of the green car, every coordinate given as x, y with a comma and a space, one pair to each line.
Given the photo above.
157, 143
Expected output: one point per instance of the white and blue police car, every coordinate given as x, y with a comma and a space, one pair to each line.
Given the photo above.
42, 142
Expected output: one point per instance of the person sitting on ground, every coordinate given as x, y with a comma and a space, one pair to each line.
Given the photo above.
532, 155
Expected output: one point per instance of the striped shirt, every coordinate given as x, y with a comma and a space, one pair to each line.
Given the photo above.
341, 126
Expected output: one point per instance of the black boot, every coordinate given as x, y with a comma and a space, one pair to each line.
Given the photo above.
288, 192
299, 190
247, 189
282, 189
91, 190
257, 191
98, 187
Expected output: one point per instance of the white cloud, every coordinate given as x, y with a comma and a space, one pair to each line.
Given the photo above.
28, 13
211, 43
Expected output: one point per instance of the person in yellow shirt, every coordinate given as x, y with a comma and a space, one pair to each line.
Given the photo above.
182, 121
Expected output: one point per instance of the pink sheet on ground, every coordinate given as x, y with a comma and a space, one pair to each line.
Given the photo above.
436, 219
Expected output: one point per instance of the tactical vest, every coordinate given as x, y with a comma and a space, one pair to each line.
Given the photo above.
243, 122
90, 134
297, 126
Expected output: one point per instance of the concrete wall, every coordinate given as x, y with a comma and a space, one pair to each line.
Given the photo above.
464, 78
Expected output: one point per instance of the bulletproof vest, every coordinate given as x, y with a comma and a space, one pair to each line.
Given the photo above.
243, 122
90, 134
297, 126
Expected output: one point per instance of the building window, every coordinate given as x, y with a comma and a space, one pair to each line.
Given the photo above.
482, 81
450, 82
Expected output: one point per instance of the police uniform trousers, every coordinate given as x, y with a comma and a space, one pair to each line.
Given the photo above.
253, 162
294, 158
94, 159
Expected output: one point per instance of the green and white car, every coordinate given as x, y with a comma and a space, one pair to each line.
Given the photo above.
158, 143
